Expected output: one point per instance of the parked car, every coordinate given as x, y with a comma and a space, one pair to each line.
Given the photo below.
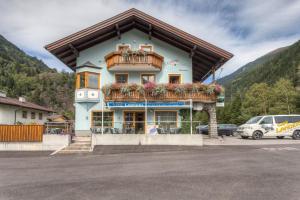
279, 126
223, 129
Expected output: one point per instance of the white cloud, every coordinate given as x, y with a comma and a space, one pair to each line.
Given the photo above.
248, 29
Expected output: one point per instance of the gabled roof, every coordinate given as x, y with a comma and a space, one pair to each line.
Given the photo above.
205, 55
16, 102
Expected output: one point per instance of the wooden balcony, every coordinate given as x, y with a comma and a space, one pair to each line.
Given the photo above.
170, 95
134, 61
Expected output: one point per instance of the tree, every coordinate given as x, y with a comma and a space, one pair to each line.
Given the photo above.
284, 96
257, 100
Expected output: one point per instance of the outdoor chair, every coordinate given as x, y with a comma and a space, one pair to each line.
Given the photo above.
114, 131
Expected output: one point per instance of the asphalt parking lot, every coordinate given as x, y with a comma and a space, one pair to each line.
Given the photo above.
210, 172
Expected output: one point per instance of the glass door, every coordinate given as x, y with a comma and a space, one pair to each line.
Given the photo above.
129, 123
140, 122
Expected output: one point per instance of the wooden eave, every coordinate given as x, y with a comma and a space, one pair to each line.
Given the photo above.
205, 56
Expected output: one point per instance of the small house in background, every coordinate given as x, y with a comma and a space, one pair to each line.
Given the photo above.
59, 124
19, 111
58, 118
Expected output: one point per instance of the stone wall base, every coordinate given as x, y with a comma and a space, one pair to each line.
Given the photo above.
49, 143
135, 139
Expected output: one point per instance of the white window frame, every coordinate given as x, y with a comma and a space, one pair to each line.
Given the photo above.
122, 44
151, 45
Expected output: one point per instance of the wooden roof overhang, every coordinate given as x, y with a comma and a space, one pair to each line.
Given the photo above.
205, 56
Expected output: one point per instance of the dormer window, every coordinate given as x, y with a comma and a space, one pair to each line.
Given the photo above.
88, 80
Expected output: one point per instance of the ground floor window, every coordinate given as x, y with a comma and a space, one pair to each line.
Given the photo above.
108, 117
166, 119
24, 114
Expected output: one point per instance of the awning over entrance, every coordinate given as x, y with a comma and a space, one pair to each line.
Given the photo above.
178, 104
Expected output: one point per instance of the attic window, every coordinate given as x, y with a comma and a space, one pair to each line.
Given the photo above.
146, 47
123, 47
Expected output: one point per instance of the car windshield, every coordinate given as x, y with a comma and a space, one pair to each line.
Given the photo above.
253, 120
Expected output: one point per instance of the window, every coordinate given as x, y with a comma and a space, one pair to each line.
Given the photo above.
88, 80
267, 120
146, 47
93, 81
123, 47
40, 116
107, 119
121, 78
148, 78
32, 115
294, 119
253, 120
175, 79
24, 114
281, 119
166, 119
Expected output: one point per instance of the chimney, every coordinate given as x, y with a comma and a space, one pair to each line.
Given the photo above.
22, 99
2, 94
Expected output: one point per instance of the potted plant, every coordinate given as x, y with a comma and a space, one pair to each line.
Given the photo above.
140, 89
125, 90
218, 89
159, 90
106, 89
149, 86
180, 90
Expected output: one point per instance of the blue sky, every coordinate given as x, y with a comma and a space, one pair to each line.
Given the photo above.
247, 28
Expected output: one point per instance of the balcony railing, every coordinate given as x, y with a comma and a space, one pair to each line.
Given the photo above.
118, 94
134, 60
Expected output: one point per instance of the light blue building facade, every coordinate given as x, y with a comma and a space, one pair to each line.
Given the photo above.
135, 74
176, 62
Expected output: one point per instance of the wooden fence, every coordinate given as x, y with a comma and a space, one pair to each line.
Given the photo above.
21, 133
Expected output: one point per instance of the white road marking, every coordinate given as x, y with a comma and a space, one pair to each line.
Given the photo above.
281, 149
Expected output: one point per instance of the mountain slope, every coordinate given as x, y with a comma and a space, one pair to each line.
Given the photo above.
281, 63
23, 75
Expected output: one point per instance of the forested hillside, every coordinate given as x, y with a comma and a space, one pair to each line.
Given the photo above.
281, 63
23, 75
264, 86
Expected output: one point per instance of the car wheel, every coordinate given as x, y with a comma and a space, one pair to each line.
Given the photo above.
244, 137
257, 135
296, 135
280, 137
227, 134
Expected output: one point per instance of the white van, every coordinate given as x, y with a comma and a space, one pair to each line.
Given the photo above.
278, 126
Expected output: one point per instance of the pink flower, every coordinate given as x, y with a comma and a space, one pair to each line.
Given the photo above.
149, 86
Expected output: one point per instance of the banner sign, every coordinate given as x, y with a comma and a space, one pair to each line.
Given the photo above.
220, 100
148, 104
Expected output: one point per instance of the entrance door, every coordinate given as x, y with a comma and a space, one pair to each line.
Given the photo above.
134, 122
140, 122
